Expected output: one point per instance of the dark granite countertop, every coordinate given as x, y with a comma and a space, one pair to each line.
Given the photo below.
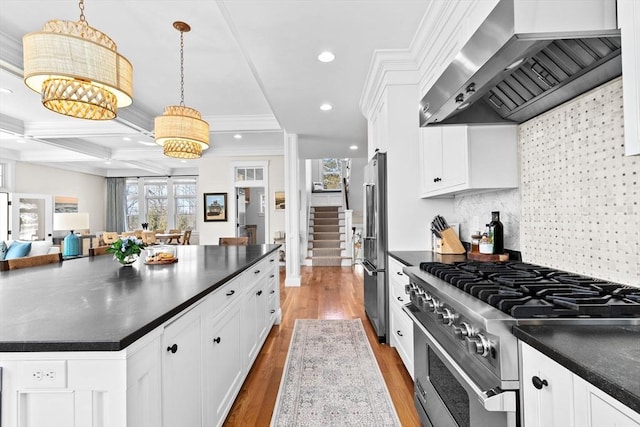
414, 258
606, 356
94, 304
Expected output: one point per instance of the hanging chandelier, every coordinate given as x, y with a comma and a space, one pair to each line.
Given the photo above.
77, 69
180, 130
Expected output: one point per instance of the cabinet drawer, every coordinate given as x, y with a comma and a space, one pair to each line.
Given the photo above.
224, 295
402, 336
395, 271
397, 293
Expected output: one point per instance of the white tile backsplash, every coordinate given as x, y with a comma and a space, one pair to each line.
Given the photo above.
474, 212
578, 205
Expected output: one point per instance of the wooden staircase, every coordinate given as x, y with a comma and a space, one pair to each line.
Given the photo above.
326, 237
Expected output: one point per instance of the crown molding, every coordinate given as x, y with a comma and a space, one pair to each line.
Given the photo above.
246, 151
11, 125
388, 67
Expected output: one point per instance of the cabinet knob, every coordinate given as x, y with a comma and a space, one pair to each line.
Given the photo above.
216, 340
231, 292
399, 333
272, 260
399, 273
259, 292
273, 291
538, 383
272, 276
256, 272
400, 299
273, 311
173, 348
437, 179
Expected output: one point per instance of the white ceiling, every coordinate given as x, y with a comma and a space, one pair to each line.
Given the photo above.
250, 67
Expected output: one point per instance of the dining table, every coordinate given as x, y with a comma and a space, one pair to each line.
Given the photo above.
167, 237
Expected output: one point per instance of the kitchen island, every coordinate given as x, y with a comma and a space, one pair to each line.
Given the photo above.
88, 342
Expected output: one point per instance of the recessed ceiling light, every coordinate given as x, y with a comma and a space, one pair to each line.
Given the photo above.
21, 140
183, 161
149, 143
237, 136
353, 147
326, 56
326, 107
5, 90
107, 162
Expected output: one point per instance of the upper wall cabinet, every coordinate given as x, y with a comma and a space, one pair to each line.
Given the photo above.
629, 22
462, 159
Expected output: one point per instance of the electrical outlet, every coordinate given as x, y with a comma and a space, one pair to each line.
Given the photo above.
44, 374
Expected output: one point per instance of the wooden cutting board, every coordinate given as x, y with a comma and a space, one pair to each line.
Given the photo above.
477, 256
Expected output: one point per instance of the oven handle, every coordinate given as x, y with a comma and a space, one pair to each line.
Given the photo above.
495, 399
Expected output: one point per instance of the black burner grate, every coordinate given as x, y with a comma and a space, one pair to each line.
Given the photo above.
526, 290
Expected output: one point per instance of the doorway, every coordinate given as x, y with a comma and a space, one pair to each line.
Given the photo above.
250, 210
251, 186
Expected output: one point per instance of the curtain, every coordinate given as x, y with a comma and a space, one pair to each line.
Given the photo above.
116, 204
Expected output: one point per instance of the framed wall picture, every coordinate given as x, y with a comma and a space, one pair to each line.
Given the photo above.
215, 206
279, 200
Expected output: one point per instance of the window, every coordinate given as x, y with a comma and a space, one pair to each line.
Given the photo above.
185, 204
133, 205
331, 174
163, 203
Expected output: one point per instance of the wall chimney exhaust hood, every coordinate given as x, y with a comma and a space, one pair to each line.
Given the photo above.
526, 58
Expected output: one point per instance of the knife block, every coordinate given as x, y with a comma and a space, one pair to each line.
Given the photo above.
449, 243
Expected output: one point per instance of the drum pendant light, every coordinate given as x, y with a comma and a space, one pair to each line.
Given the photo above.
180, 130
77, 69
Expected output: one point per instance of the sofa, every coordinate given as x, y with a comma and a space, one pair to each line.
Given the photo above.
19, 253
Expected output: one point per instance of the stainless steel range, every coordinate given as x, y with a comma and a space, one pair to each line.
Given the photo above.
465, 356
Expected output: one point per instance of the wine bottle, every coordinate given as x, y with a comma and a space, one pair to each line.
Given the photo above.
497, 233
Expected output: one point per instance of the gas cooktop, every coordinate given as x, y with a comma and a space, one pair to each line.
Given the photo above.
525, 290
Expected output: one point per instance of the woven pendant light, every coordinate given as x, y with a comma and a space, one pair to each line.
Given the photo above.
180, 130
77, 69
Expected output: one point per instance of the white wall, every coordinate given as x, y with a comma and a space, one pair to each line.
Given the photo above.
356, 191
216, 177
90, 190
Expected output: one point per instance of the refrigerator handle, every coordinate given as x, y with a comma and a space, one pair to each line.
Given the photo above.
367, 265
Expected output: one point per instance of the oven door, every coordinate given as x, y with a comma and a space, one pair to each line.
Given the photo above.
446, 396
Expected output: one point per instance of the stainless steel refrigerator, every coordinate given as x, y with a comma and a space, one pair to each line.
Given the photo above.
376, 289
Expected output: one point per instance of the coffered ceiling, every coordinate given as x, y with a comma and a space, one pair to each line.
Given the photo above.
251, 69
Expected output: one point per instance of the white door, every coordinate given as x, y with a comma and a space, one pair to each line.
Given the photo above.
241, 213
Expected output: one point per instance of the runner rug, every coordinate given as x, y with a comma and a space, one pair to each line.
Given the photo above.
331, 378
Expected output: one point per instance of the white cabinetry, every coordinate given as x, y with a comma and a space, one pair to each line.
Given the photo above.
223, 366
546, 390
595, 408
465, 158
186, 372
554, 396
181, 371
629, 23
401, 325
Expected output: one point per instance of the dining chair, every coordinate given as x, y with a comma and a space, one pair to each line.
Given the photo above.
186, 237
149, 237
174, 231
230, 241
128, 234
108, 237
99, 250
138, 234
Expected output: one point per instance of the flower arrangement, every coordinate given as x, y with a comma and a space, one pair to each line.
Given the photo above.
126, 249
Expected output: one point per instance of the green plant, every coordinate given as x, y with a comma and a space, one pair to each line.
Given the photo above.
125, 248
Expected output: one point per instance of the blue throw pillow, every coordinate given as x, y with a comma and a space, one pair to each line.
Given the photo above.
18, 250
3, 249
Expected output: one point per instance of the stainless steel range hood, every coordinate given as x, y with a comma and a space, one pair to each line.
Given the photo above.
510, 72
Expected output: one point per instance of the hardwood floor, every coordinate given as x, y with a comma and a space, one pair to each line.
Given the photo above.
326, 293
